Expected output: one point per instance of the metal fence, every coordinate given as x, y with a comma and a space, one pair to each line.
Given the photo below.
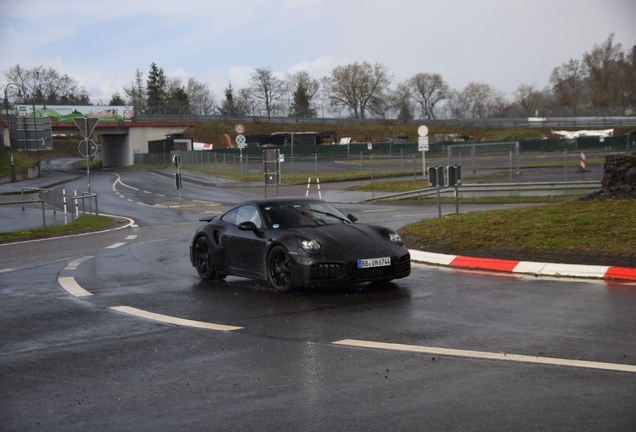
497, 123
479, 159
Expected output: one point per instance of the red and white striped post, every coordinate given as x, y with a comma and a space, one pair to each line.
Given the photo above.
582, 166
308, 183
318, 182
76, 206
64, 199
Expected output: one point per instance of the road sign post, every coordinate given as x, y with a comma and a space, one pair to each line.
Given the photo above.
176, 160
422, 144
86, 127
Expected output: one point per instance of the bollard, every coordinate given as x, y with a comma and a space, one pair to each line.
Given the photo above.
64, 199
582, 166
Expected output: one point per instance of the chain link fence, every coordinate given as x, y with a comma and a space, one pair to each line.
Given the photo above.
394, 160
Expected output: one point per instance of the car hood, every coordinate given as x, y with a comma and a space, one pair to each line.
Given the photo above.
349, 238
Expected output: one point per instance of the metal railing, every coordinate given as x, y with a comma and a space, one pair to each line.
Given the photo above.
34, 189
83, 198
491, 188
561, 122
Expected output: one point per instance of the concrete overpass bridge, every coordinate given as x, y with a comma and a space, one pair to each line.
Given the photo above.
120, 140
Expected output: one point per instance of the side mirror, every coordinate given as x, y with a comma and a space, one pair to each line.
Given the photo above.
352, 218
247, 226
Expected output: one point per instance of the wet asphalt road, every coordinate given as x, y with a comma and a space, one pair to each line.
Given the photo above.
71, 362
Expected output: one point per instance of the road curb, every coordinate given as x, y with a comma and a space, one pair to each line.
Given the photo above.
526, 267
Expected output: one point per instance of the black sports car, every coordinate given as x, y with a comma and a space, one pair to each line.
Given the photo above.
296, 242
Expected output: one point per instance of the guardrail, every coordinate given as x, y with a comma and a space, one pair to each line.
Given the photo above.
565, 122
491, 187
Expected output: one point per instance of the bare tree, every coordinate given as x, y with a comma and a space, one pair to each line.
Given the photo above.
568, 86
360, 87
44, 86
477, 100
267, 88
137, 93
528, 99
601, 67
400, 103
202, 99
428, 90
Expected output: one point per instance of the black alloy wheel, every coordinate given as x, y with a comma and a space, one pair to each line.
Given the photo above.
203, 258
279, 269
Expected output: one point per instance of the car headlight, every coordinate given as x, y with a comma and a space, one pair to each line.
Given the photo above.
395, 238
309, 245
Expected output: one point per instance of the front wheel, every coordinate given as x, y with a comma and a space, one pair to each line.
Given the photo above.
204, 259
279, 269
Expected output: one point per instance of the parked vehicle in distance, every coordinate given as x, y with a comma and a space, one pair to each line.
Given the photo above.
296, 242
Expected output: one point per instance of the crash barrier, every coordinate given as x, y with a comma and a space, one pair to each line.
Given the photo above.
492, 188
588, 118
85, 196
41, 202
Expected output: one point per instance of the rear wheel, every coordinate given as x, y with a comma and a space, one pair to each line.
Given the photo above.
204, 259
279, 269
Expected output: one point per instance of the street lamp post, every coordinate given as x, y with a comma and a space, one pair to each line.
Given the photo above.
6, 107
35, 131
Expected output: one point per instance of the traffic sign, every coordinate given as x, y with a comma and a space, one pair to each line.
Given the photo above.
422, 131
239, 129
240, 140
87, 148
176, 160
86, 125
422, 143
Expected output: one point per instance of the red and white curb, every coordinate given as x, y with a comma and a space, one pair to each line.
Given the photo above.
526, 267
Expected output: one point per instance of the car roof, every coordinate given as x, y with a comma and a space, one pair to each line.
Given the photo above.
278, 200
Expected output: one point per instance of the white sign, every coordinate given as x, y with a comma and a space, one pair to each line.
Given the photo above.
281, 158
370, 146
240, 140
422, 143
422, 131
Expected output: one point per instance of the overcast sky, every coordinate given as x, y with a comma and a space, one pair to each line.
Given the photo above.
503, 43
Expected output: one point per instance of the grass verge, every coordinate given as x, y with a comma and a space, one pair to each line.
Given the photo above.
595, 227
83, 223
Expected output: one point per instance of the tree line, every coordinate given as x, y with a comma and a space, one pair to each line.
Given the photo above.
602, 82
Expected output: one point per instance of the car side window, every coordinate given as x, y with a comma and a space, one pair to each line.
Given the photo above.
249, 213
230, 217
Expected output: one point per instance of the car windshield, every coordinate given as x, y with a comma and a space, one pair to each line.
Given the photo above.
302, 214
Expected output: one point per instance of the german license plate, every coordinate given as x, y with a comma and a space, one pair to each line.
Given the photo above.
374, 262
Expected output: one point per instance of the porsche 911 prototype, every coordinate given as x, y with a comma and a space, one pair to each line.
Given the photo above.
296, 242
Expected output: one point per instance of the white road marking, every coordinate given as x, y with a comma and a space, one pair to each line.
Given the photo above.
173, 320
69, 284
73, 264
6, 270
147, 192
122, 183
375, 211
131, 237
488, 355
160, 195
113, 246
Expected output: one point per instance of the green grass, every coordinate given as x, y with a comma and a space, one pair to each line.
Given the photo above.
596, 227
20, 160
82, 223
